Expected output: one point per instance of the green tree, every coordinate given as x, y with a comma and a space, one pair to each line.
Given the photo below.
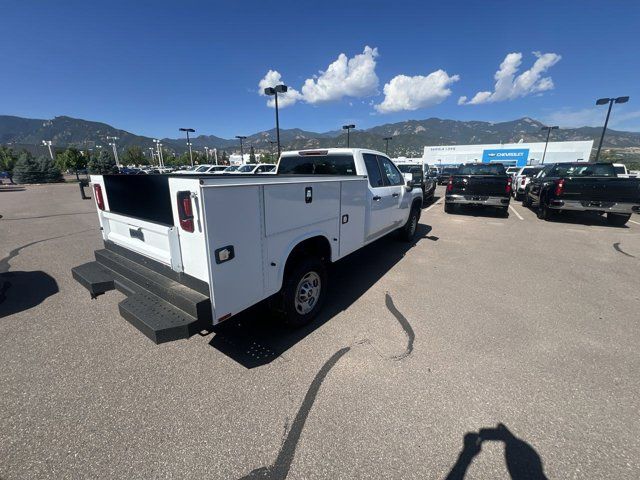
224, 158
267, 158
36, 170
134, 155
71, 159
252, 155
103, 164
7, 161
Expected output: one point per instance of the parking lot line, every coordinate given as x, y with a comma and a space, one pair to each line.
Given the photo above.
516, 212
633, 221
431, 206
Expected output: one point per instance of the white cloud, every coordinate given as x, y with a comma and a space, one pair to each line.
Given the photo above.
271, 79
412, 93
509, 86
346, 77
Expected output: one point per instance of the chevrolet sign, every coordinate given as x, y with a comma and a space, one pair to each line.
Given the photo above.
517, 156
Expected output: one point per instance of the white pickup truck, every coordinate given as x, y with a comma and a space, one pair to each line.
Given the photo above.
190, 251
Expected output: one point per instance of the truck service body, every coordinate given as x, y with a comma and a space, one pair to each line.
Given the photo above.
190, 251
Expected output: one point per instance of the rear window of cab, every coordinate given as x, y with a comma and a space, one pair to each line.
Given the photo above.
338, 164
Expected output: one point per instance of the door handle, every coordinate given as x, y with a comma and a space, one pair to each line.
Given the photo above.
395, 195
377, 198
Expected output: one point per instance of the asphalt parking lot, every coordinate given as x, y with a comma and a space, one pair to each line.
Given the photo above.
490, 348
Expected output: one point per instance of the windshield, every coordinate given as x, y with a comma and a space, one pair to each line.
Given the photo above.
202, 168
339, 164
482, 169
619, 170
232, 168
584, 170
246, 168
529, 172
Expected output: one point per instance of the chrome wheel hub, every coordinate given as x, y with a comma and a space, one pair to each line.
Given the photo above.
308, 293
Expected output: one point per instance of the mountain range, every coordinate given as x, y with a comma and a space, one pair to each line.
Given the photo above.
409, 137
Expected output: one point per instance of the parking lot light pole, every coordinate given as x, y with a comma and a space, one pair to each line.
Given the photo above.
275, 91
386, 147
189, 130
548, 129
610, 101
153, 156
348, 129
241, 138
115, 149
47, 143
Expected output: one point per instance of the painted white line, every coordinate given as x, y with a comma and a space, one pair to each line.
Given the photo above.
633, 221
516, 212
431, 206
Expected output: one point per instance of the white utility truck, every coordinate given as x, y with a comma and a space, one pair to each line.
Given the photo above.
190, 251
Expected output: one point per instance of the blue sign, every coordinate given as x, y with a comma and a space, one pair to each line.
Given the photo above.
510, 156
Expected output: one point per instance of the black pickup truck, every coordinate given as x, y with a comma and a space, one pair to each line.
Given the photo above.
587, 187
481, 184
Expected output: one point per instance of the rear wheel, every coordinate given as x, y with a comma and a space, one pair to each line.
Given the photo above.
449, 207
617, 219
544, 212
503, 211
526, 201
303, 292
411, 227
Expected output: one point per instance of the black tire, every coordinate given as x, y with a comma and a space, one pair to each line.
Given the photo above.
618, 219
543, 212
286, 306
517, 196
526, 201
449, 207
503, 211
408, 231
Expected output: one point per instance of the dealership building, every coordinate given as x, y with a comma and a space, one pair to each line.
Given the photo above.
510, 154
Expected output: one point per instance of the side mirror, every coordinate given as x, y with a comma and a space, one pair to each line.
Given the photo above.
408, 181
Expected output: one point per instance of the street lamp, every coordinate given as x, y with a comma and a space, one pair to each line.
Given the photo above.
47, 143
241, 138
275, 91
115, 150
348, 128
548, 129
386, 147
188, 130
153, 157
159, 148
610, 101
206, 152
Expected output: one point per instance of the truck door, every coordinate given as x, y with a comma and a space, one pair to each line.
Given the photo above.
395, 181
383, 199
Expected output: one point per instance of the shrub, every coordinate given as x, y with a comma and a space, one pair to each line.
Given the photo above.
36, 170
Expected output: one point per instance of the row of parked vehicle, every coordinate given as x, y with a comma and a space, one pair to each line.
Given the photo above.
601, 188
249, 168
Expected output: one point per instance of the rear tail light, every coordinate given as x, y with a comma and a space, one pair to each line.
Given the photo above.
185, 211
97, 191
450, 184
523, 181
508, 188
559, 187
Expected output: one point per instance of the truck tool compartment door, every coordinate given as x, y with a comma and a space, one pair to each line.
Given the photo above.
234, 237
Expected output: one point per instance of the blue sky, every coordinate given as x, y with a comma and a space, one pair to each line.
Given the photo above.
151, 67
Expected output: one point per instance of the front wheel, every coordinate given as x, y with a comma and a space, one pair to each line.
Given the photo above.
411, 227
617, 219
303, 292
526, 201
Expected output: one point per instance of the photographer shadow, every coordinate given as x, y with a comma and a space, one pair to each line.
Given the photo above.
523, 462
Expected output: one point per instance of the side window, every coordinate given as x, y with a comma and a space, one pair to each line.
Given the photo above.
390, 172
373, 170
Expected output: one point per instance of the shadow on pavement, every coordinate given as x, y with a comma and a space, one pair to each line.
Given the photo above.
523, 462
480, 211
580, 218
27, 290
255, 337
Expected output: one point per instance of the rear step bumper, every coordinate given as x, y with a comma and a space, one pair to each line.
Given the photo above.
162, 308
